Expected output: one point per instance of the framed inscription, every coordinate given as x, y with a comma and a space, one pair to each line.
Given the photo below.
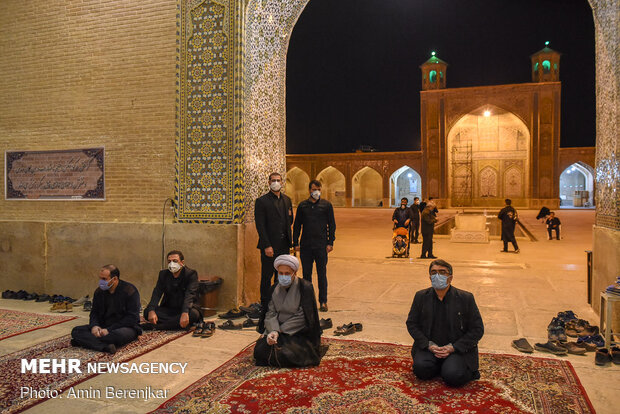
54, 175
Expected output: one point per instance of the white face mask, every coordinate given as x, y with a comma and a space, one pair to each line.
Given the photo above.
275, 186
316, 194
174, 267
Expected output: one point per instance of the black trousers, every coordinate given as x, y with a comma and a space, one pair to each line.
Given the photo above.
453, 369
318, 256
427, 244
168, 318
557, 232
509, 237
119, 337
414, 230
268, 273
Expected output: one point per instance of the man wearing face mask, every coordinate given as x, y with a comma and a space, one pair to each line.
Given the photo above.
292, 334
316, 216
179, 308
273, 215
115, 315
446, 326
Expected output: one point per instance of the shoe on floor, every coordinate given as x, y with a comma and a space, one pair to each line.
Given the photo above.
574, 349
42, 298
232, 314
615, 354
198, 329
522, 345
597, 340
249, 323
551, 347
323, 307
88, 306
346, 329
252, 308
229, 325
326, 323
66, 307
602, 357
209, 329
587, 346
57, 306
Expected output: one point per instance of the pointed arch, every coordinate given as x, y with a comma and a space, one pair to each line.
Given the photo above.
297, 185
577, 185
487, 183
367, 186
333, 186
405, 182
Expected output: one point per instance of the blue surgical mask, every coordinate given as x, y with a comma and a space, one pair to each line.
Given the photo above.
439, 281
285, 280
103, 284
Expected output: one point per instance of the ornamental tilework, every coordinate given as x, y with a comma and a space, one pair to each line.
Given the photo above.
606, 23
208, 151
268, 26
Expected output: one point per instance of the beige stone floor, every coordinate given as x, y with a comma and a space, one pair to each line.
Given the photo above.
517, 294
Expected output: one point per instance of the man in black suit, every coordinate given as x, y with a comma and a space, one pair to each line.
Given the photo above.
273, 215
508, 216
414, 229
446, 326
179, 308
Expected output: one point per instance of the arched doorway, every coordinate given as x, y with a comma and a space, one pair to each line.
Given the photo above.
297, 185
367, 188
488, 159
577, 186
333, 186
405, 182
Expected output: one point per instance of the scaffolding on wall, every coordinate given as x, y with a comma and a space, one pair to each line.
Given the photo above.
462, 172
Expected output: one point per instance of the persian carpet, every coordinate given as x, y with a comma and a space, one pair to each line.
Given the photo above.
15, 322
362, 377
11, 378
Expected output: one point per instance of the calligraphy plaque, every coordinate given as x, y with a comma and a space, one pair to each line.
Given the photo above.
54, 175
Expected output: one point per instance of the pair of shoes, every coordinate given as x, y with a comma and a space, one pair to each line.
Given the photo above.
555, 330
81, 301
580, 327
597, 340
229, 325
522, 345
253, 311
574, 349
62, 307
204, 329
348, 329
604, 356
325, 323
323, 307
32, 296
43, 298
88, 306
551, 347
249, 323
232, 314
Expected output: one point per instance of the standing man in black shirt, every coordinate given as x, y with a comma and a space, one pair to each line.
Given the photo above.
115, 315
446, 325
179, 307
414, 230
316, 216
508, 216
273, 215
402, 215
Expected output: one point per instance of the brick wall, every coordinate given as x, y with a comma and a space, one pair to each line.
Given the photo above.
78, 74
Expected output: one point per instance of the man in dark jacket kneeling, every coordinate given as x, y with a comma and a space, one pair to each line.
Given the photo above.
446, 326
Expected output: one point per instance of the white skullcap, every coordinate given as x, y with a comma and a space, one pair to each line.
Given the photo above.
288, 260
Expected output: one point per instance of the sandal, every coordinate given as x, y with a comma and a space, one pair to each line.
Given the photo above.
229, 325
198, 330
209, 329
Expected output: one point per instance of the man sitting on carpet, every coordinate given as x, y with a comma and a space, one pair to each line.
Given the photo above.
115, 315
292, 335
179, 307
446, 326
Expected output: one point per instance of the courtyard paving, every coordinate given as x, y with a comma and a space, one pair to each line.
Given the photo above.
517, 294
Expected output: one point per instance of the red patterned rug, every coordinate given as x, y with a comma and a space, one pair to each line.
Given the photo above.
11, 378
364, 377
15, 322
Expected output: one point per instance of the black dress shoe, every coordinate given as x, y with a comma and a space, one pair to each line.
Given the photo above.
323, 307
31, 296
326, 323
431, 257
232, 314
42, 298
22, 294
8, 294
602, 356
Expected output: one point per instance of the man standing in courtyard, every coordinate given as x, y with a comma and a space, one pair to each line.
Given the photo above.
115, 315
508, 216
315, 220
446, 326
428, 229
179, 308
414, 232
273, 215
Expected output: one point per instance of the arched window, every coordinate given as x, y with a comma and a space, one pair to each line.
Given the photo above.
432, 76
546, 66
536, 67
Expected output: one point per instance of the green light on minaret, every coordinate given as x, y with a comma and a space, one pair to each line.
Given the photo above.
547, 43
433, 53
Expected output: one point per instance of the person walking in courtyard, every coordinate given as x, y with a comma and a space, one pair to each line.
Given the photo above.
179, 308
445, 325
508, 216
428, 229
315, 220
553, 224
273, 215
115, 315
414, 232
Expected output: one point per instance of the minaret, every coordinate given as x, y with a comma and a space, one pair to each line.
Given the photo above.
546, 65
433, 73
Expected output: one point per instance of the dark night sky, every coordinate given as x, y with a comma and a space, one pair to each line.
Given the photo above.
353, 72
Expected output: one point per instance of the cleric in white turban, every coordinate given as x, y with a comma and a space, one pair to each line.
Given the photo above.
291, 320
